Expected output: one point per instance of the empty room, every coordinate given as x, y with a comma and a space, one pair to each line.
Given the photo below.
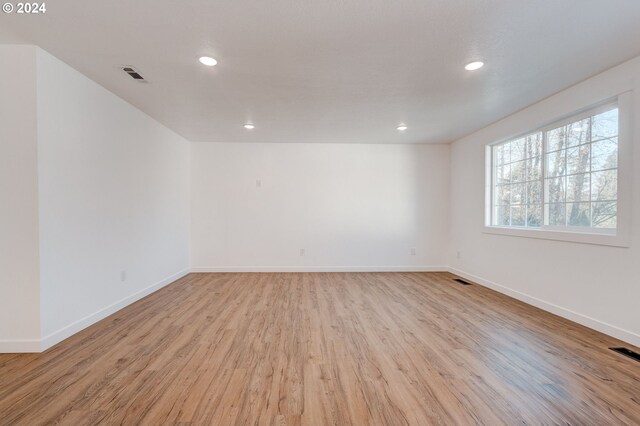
355, 212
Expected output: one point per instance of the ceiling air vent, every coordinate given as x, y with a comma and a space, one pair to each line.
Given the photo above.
133, 73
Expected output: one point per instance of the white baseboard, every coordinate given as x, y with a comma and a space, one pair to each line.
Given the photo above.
603, 327
23, 346
34, 345
320, 269
19, 346
85, 322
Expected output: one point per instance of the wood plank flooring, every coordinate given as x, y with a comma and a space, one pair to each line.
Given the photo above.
324, 348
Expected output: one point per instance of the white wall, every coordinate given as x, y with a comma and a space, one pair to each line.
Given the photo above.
91, 186
348, 206
19, 300
598, 286
114, 197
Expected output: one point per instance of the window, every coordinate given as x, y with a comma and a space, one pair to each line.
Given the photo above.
563, 177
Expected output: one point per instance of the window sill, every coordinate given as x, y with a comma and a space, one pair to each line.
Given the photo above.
571, 237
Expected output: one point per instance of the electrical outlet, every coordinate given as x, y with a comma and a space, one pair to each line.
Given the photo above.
258, 183
413, 251
301, 252
123, 276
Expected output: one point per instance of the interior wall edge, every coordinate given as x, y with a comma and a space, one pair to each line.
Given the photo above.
77, 326
592, 323
19, 201
320, 269
23, 346
35, 346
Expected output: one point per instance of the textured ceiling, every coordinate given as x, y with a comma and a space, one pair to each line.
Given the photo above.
334, 71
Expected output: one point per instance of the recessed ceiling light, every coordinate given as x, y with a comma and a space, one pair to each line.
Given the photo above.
402, 127
249, 126
208, 61
472, 66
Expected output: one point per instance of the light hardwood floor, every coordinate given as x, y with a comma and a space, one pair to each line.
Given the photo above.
324, 348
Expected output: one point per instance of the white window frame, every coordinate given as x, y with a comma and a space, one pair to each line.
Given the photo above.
621, 236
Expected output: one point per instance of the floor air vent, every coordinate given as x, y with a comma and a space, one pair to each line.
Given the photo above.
461, 281
627, 352
133, 73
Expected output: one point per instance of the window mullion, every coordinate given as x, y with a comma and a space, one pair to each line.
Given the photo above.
543, 172
494, 210
591, 171
554, 188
